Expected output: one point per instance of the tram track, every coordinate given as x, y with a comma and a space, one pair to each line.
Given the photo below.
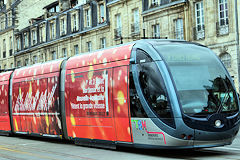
19, 153
8, 157
20, 148
30, 150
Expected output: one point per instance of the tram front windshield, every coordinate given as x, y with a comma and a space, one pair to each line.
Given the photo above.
202, 83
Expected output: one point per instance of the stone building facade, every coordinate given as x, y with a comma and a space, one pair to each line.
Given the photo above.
33, 32
215, 25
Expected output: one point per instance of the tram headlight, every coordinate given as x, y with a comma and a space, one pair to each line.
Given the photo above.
218, 123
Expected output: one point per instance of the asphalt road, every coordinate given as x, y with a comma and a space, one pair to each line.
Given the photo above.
25, 148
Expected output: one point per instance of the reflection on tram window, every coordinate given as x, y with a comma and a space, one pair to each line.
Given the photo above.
220, 96
203, 85
135, 104
154, 91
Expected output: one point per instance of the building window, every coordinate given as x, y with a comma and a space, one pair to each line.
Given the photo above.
35, 59
9, 19
87, 18
74, 22
54, 55
64, 52
76, 50
156, 31
41, 34
52, 30
101, 13
223, 12
135, 26
222, 25
226, 59
42, 58
89, 46
12, 66
53, 9
11, 46
63, 26
3, 22
4, 54
25, 40
18, 63
57, 8
11, 42
1, 25
18, 43
118, 30
26, 62
4, 45
103, 42
179, 29
199, 18
34, 37
4, 48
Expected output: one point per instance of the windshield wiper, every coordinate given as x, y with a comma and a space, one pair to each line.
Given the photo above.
225, 96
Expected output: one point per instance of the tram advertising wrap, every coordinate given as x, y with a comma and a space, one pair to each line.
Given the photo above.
147, 94
35, 100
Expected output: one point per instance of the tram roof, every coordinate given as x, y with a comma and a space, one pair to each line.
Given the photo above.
104, 56
168, 41
38, 69
5, 76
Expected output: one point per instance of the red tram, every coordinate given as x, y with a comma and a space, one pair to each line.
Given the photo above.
101, 99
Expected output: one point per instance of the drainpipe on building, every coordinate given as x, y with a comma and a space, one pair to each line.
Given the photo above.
13, 50
237, 42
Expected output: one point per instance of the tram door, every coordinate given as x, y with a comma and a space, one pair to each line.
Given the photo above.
4, 111
120, 103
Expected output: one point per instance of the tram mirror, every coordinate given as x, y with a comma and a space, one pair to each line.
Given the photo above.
132, 61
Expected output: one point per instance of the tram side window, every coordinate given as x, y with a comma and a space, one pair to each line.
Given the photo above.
154, 91
135, 104
142, 57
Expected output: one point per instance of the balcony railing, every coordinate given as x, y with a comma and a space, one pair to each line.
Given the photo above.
50, 14
199, 33
74, 29
162, 2
63, 33
18, 48
222, 29
34, 42
117, 33
135, 30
